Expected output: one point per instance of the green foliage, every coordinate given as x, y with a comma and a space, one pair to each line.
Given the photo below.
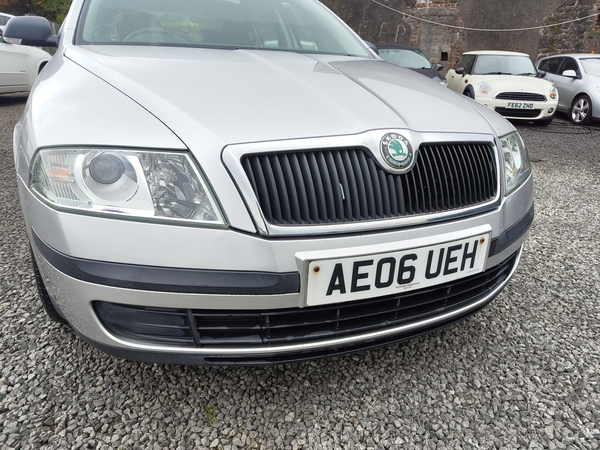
53, 10
211, 416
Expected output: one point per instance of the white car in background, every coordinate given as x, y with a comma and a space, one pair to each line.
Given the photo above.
19, 66
4, 18
506, 82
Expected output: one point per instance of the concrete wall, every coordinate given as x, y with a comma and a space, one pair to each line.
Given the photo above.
382, 26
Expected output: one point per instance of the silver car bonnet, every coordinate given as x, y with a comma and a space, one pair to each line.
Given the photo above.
240, 96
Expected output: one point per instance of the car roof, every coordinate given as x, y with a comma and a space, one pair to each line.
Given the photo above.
495, 52
399, 47
574, 55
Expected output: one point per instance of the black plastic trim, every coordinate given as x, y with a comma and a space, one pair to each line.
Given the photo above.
167, 279
196, 359
506, 239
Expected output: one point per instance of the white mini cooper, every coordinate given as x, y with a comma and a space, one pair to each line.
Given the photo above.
506, 82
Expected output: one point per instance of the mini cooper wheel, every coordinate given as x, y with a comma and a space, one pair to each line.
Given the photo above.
43, 293
581, 110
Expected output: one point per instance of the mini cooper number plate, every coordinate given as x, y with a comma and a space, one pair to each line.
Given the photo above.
370, 276
512, 105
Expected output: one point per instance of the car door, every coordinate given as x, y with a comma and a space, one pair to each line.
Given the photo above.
567, 87
13, 65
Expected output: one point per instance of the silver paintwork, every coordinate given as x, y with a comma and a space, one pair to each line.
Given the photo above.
570, 88
370, 140
183, 99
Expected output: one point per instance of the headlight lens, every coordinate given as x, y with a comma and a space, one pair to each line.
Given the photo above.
553, 92
484, 88
517, 166
156, 185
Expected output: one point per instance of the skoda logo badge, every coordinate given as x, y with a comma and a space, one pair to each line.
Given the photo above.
397, 151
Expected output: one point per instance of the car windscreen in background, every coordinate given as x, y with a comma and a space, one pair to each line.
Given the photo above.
412, 59
296, 25
503, 64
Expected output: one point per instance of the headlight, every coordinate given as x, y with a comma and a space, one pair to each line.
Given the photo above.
517, 166
484, 88
553, 92
152, 185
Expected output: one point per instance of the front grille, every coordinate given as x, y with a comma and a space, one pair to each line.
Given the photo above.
523, 96
334, 186
239, 329
524, 113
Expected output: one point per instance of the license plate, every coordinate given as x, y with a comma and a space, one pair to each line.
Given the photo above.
370, 276
512, 105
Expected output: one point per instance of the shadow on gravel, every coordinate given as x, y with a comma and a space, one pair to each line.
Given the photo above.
13, 99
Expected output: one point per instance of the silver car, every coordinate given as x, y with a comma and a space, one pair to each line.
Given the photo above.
245, 182
577, 78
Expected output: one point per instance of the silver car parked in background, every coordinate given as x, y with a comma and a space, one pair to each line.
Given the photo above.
577, 78
245, 182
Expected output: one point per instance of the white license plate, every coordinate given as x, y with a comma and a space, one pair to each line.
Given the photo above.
370, 276
519, 105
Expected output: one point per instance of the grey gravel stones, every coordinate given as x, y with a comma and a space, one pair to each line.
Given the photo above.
523, 373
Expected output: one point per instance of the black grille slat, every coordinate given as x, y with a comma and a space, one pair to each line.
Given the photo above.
520, 113
349, 185
240, 329
524, 96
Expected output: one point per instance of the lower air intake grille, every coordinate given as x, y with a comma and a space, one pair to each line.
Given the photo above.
334, 186
520, 113
239, 329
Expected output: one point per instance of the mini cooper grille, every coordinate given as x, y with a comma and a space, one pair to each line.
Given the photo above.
347, 185
237, 329
523, 96
520, 113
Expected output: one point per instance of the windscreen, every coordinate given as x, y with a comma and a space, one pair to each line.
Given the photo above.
504, 65
591, 66
294, 25
412, 59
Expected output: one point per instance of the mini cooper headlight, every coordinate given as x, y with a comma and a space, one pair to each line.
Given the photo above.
146, 184
517, 166
553, 92
484, 88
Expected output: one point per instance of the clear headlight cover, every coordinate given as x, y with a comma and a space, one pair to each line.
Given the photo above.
553, 92
517, 166
145, 184
484, 88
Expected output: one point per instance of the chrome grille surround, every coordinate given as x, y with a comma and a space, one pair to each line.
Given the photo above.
233, 155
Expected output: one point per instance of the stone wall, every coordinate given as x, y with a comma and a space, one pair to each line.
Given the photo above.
379, 25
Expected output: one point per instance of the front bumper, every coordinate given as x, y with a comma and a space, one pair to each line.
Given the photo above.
156, 266
541, 110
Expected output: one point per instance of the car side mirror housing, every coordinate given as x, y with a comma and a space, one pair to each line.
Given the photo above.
30, 30
569, 74
372, 47
439, 67
542, 74
460, 71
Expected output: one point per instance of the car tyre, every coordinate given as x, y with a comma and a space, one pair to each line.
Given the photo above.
469, 92
51, 311
580, 112
543, 122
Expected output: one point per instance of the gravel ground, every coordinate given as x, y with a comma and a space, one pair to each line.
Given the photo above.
523, 373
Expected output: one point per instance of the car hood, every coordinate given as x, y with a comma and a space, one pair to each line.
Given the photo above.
235, 96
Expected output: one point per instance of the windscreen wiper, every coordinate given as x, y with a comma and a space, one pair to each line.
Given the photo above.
497, 73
